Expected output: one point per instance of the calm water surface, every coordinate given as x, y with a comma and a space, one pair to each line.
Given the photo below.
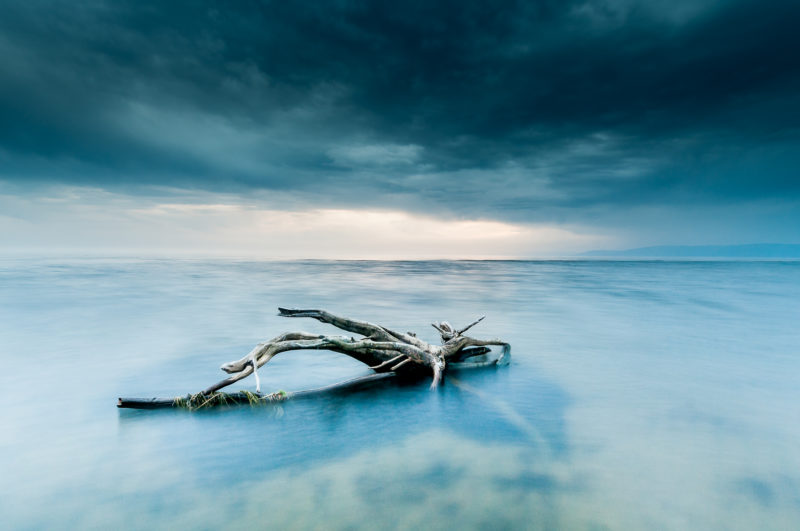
641, 395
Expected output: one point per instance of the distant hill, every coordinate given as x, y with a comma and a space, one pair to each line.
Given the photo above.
754, 250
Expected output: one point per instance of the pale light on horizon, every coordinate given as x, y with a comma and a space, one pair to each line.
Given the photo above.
97, 222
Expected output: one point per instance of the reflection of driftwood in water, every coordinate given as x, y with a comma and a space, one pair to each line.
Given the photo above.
387, 352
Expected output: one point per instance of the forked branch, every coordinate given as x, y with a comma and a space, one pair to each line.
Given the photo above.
381, 349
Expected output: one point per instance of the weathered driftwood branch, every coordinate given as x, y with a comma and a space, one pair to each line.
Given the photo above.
383, 350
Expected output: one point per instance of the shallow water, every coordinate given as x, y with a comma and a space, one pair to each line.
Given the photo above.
641, 395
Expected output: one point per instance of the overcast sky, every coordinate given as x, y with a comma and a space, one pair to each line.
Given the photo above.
397, 129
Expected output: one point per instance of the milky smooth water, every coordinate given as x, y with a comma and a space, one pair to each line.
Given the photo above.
641, 395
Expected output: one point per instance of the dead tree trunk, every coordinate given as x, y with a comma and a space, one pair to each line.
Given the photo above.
382, 349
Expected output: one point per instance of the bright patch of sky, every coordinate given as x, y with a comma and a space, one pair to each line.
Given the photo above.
96, 222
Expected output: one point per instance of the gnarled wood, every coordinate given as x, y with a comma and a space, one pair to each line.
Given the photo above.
382, 349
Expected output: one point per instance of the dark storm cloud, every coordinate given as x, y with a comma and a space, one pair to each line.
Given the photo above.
549, 105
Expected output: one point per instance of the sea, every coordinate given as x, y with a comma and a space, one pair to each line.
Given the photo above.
641, 394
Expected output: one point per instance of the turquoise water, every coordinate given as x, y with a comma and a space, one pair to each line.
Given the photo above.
641, 395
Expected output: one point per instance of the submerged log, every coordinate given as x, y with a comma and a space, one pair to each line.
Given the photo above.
201, 400
387, 352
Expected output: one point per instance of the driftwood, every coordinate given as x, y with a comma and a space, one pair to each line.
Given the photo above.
387, 352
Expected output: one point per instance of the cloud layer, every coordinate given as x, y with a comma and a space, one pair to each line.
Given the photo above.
530, 112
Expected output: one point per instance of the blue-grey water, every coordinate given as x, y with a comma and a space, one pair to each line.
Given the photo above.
641, 395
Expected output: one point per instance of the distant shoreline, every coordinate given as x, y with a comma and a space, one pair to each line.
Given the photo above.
755, 250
